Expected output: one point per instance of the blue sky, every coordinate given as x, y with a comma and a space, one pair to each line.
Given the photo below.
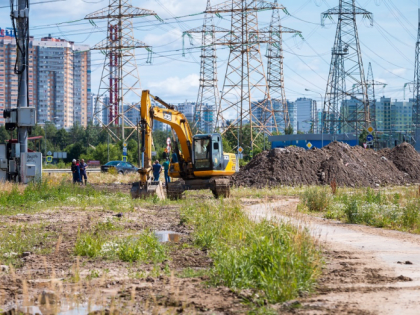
389, 44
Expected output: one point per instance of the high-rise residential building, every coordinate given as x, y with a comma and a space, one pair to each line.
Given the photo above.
277, 104
348, 115
187, 108
383, 114
293, 115
306, 114
132, 113
261, 114
59, 79
208, 120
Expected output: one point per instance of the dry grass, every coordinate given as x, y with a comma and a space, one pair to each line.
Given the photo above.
94, 178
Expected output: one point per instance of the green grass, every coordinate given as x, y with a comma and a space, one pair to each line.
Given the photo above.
44, 195
193, 273
143, 247
395, 208
316, 199
276, 260
15, 240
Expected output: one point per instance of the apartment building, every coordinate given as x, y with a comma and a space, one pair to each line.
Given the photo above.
59, 79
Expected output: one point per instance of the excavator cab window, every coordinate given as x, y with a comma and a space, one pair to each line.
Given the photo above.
208, 152
202, 153
217, 153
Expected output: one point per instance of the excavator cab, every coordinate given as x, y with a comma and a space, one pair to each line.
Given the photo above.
207, 153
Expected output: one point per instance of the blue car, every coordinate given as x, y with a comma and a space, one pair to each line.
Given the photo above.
120, 166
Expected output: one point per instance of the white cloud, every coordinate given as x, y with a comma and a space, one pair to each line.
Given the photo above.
171, 38
176, 87
399, 71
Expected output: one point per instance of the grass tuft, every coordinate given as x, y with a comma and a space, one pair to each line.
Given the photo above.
143, 247
316, 199
278, 260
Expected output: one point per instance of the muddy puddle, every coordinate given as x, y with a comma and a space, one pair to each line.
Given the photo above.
168, 236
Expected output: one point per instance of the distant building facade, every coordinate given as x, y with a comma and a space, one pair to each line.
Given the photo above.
306, 114
59, 77
293, 115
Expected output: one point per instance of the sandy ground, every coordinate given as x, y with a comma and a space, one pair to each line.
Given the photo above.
368, 270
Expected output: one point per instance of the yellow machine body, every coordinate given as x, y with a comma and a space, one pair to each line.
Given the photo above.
199, 162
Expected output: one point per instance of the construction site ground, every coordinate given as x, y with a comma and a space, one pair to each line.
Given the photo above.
367, 270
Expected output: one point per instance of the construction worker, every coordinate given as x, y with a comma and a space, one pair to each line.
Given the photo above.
166, 171
75, 171
157, 169
83, 174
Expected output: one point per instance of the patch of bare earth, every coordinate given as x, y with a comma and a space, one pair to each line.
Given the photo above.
130, 288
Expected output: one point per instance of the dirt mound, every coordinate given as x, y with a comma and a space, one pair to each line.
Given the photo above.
406, 159
350, 166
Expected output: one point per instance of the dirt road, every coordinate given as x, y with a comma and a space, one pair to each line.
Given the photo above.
368, 270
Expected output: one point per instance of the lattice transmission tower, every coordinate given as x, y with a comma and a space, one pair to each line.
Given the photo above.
245, 97
275, 76
346, 70
119, 90
370, 88
208, 92
416, 96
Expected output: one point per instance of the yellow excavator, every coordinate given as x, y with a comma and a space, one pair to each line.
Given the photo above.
198, 162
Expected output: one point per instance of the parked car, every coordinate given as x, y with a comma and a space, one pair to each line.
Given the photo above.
120, 166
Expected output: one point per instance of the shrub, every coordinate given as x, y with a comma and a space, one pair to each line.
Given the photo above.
316, 199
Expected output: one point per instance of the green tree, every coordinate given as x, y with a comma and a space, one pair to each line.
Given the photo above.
363, 137
75, 151
4, 134
100, 153
288, 130
61, 139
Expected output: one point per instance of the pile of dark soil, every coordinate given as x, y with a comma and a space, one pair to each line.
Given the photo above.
349, 166
406, 159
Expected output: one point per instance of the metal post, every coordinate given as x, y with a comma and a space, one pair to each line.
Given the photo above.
138, 143
108, 146
22, 57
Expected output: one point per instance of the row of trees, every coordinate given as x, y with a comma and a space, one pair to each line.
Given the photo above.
94, 143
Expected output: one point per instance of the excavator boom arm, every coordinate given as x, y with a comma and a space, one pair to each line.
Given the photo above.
168, 116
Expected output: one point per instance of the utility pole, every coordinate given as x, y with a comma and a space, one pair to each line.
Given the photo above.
22, 18
275, 77
16, 164
245, 76
416, 96
120, 77
346, 69
208, 92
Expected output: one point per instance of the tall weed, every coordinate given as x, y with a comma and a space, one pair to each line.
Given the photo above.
316, 199
277, 260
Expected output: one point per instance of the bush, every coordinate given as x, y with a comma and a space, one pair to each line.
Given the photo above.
316, 199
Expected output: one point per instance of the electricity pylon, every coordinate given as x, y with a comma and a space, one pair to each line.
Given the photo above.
416, 96
275, 77
120, 82
245, 93
208, 91
370, 88
346, 70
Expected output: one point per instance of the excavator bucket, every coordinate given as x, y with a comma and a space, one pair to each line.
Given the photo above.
150, 189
